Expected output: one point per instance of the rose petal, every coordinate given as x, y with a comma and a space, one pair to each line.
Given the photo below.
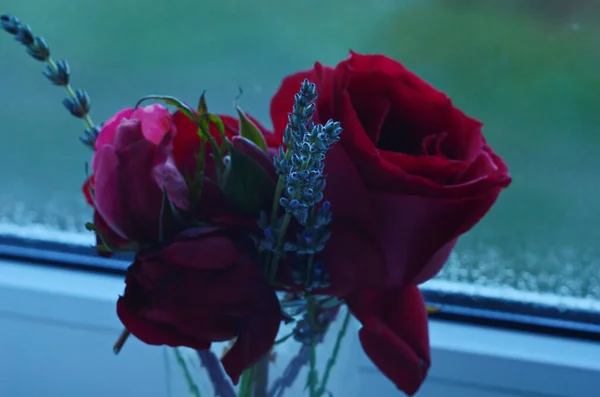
155, 120
87, 190
138, 191
354, 261
107, 132
152, 332
395, 334
283, 101
107, 195
128, 132
210, 252
416, 232
167, 175
257, 333
430, 171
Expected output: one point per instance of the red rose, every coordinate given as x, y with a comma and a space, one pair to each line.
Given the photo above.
394, 334
201, 289
409, 176
132, 168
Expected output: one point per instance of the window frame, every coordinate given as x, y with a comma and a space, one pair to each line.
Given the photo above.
468, 359
453, 306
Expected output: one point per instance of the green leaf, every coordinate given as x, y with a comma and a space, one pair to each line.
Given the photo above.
247, 186
216, 120
197, 184
250, 131
202, 107
105, 245
169, 100
432, 309
203, 116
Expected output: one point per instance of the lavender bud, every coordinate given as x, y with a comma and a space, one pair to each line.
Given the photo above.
61, 75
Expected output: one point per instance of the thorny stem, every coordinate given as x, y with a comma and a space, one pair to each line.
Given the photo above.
121, 341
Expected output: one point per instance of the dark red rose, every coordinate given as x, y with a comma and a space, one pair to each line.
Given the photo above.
198, 290
394, 334
132, 168
409, 176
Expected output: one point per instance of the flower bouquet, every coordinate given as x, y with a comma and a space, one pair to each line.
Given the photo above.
357, 194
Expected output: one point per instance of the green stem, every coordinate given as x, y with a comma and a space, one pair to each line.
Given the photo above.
278, 189
194, 391
246, 383
279, 249
309, 265
313, 378
273, 220
87, 119
216, 150
334, 354
260, 382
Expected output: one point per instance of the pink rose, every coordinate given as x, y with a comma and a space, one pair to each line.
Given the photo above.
132, 169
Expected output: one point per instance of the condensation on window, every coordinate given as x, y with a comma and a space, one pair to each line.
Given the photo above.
564, 277
61, 221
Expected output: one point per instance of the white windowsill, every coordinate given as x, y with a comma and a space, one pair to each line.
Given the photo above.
57, 328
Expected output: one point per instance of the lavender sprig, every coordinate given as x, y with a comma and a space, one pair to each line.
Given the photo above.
57, 72
304, 178
300, 165
275, 227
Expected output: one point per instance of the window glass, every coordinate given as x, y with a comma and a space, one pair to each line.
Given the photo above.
529, 69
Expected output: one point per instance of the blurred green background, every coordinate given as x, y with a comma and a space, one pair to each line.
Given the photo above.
529, 69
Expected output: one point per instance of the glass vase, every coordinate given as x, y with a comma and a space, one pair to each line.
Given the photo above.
284, 372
